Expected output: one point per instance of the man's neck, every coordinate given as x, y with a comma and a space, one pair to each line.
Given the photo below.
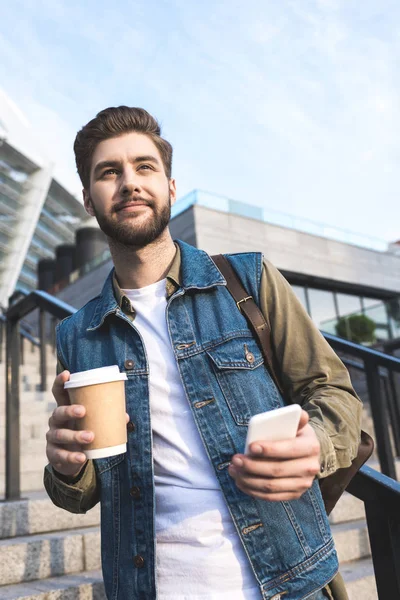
137, 268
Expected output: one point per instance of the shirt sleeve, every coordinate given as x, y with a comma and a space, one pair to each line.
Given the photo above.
311, 373
78, 496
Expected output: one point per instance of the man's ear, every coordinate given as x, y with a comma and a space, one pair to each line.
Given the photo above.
172, 191
87, 202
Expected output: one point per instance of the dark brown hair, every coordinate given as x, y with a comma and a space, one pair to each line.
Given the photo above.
112, 122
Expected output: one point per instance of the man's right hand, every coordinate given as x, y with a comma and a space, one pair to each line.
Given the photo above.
64, 442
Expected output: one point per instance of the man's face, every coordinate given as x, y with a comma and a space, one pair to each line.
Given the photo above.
130, 194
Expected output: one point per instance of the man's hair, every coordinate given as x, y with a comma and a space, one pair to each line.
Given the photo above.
112, 122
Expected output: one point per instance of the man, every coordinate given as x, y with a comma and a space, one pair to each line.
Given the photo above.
185, 515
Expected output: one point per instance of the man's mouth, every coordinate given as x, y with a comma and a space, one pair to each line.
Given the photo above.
131, 206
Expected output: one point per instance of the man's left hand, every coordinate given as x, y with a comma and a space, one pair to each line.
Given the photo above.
282, 470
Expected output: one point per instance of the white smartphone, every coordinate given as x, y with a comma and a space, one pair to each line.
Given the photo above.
274, 425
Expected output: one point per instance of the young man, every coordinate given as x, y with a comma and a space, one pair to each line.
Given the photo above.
185, 515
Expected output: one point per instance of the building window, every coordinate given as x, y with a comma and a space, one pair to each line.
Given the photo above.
348, 304
322, 308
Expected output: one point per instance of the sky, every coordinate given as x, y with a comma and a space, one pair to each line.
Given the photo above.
293, 105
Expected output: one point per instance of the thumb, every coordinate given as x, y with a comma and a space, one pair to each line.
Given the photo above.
304, 418
60, 394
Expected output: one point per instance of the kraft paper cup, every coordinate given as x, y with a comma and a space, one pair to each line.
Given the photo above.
102, 393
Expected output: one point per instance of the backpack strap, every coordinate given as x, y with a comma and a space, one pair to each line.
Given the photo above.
251, 311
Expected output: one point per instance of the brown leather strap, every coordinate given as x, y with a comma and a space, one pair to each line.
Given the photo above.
250, 310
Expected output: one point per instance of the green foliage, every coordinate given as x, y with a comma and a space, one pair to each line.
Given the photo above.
356, 328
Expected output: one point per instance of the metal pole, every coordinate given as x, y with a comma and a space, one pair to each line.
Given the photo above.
21, 349
384, 537
53, 333
12, 411
42, 339
393, 410
379, 415
1, 340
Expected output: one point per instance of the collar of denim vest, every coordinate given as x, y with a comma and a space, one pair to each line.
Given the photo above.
191, 268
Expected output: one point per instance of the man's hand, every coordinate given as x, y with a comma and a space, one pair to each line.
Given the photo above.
64, 443
278, 471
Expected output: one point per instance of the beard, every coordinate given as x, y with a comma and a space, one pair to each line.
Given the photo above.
130, 232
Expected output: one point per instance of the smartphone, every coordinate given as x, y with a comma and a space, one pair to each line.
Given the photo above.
274, 425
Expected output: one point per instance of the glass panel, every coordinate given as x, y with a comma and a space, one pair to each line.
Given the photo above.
378, 315
322, 306
393, 309
348, 304
370, 302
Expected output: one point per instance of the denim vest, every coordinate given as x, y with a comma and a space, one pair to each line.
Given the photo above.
288, 544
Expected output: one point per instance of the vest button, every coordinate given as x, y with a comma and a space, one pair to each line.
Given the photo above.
129, 364
130, 427
138, 561
250, 357
135, 492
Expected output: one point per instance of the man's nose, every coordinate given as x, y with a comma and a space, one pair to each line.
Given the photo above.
129, 184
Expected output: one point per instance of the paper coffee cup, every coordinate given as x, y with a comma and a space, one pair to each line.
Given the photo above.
102, 393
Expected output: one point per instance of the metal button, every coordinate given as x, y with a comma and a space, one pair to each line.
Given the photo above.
138, 561
250, 357
129, 364
130, 427
135, 492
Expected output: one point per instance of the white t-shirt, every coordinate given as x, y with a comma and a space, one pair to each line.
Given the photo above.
199, 553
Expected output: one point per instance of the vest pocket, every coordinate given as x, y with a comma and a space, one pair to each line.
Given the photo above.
245, 383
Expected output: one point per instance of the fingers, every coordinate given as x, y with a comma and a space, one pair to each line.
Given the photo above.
248, 467
59, 393
65, 437
64, 461
271, 488
62, 414
304, 418
304, 444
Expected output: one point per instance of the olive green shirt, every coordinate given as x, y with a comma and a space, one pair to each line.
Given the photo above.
311, 375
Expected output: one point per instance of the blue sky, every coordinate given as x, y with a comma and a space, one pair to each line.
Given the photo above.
288, 104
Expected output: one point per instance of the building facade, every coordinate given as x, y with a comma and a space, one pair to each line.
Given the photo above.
36, 212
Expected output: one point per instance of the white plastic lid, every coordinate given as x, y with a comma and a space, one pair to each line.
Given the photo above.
94, 376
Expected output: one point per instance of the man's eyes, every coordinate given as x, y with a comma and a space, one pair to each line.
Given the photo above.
109, 172
144, 167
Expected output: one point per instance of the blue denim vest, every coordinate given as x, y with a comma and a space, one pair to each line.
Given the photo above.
288, 544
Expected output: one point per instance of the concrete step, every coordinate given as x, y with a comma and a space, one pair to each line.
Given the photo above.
82, 586
352, 541
46, 555
348, 508
36, 513
360, 580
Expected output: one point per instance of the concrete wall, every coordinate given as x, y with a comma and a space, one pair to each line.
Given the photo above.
295, 251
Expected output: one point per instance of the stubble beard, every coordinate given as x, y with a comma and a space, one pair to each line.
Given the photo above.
131, 234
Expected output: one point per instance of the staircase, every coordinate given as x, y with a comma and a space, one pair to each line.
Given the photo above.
47, 553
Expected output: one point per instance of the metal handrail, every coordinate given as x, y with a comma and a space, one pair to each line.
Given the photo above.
380, 358
380, 404
380, 494
381, 497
